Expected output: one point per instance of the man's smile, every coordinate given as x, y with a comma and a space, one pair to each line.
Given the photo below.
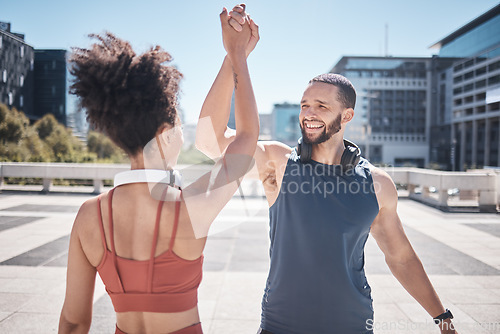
313, 126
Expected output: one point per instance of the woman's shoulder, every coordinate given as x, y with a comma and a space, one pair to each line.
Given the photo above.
87, 215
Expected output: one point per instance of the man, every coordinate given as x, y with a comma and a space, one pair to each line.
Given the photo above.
321, 211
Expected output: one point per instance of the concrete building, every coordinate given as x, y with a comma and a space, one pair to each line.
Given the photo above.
470, 91
392, 115
285, 123
16, 71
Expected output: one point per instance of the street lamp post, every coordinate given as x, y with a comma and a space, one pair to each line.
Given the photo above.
452, 153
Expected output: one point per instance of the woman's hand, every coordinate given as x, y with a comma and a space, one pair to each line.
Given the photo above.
235, 42
237, 20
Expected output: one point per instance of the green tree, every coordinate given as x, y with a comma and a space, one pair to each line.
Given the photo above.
19, 141
57, 138
104, 148
36, 150
46, 126
13, 125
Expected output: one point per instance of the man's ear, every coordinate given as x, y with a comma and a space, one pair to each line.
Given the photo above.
347, 115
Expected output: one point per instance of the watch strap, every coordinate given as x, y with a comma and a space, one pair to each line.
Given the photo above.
446, 315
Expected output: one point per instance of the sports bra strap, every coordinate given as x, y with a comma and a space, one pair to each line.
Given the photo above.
112, 238
176, 221
155, 241
101, 225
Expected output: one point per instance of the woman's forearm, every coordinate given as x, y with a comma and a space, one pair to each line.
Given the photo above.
215, 112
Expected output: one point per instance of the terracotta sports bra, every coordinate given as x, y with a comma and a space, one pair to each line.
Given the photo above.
165, 283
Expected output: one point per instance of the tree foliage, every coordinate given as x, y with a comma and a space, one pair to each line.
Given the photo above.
12, 124
49, 141
103, 147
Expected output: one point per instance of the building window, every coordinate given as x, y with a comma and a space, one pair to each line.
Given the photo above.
21, 101
11, 99
21, 81
21, 51
53, 90
493, 80
1, 39
32, 64
481, 83
481, 71
494, 66
4, 76
468, 87
481, 97
54, 64
469, 63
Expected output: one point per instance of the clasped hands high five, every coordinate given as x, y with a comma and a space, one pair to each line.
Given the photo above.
240, 33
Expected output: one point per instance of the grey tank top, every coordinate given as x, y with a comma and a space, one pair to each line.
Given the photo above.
318, 229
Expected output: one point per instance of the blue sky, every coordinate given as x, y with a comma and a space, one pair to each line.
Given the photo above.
299, 39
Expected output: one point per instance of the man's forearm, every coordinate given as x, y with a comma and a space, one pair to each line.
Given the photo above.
412, 276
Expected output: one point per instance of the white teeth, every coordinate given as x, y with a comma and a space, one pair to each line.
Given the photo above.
314, 126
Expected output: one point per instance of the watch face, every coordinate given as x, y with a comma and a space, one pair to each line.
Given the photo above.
4, 26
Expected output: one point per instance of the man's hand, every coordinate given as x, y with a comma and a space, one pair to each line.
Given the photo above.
447, 327
237, 20
235, 42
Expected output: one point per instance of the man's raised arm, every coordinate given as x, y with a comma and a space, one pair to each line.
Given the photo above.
212, 134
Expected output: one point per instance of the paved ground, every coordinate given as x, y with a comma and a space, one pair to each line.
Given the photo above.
461, 253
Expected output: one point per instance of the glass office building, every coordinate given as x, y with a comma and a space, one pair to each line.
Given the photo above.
472, 87
50, 84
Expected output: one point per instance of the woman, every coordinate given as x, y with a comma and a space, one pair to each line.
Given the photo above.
147, 245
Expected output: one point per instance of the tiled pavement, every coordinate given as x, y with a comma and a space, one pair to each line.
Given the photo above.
460, 251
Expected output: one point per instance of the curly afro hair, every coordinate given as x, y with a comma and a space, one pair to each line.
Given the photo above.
128, 97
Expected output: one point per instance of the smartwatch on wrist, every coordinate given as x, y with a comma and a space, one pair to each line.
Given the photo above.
443, 316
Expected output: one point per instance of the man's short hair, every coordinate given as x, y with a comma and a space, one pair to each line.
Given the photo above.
347, 93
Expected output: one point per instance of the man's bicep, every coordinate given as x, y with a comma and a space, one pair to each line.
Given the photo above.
268, 157
387, 228
388, 232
